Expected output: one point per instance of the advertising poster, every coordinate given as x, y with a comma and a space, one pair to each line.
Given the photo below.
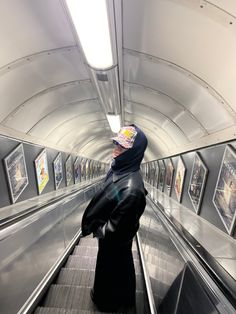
157, 172
16, 172
87, 169
69, 172
83, 169
197, 182
224, 197
58, 173
162, 175
91, 170
153, 173
179, 178
77, 170
148, 173
169, 176
41, 168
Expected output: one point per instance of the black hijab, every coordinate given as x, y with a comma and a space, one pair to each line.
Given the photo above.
130, 160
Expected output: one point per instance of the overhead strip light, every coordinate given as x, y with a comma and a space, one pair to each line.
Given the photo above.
114, 122
90, 20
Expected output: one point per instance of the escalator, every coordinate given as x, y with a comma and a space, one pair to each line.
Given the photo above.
70, 292
46, 267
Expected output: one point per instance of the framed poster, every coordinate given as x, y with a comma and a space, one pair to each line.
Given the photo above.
179, 178
69, 172
197, 182
16, 172
162, 175
57, 167
91, 169
41, 168
153, 173
77, 170
87, 169
169, 176
157, 173
224, 197
148, 173
83, 169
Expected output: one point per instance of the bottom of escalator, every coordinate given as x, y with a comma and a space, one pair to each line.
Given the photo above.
70, 293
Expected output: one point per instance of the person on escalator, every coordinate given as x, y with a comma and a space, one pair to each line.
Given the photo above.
113, 217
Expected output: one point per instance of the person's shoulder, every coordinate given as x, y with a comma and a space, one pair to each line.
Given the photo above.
135, 181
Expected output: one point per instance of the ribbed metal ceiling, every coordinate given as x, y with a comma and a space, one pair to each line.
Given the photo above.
178, 66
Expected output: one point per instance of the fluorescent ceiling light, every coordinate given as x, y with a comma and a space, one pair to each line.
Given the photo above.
90, 19
114, 122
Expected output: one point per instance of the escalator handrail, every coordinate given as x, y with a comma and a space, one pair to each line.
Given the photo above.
7, 222
147, 282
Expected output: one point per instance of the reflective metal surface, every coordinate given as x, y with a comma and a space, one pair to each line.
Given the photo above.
29, 248
220, 245
163, 261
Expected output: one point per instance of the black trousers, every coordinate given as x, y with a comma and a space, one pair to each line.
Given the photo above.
114, 283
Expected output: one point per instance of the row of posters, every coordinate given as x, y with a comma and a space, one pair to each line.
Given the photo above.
161, 174
17, 176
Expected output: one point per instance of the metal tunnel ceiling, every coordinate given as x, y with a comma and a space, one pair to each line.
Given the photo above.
177, 68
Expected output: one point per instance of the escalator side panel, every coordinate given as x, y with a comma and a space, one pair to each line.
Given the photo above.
187, 295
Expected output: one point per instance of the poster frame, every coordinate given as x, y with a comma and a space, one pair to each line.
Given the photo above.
37, 160
57, 159
157, 173
202, 184
232, 225
162, 172
169, 188
77, 162
68, 164
10, 179
179, 195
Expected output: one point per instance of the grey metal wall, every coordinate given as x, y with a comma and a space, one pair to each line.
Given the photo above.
31, 152
212, 157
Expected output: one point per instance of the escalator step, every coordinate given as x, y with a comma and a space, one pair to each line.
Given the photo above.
80, 262
78, 298
85, 278
140, 283
76, 277
85, 251
137, 267
135, 254
54, 310
69, 297
92, 251
88, 242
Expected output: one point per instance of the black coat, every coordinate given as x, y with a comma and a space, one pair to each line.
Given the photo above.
116, 208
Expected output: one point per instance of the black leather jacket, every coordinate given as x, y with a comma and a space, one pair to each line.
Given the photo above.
114, 211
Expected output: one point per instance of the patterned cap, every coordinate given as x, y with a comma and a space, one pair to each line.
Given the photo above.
126, 136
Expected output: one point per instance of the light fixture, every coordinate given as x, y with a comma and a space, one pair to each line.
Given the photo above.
95, 25
90, 19
114, 122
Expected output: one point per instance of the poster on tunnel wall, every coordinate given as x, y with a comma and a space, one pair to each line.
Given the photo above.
157, 172
224, 197
16, 172
58, 173
77, 170
179, 179
69, 172
197, 182
41, 168
162, 175
169, 176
